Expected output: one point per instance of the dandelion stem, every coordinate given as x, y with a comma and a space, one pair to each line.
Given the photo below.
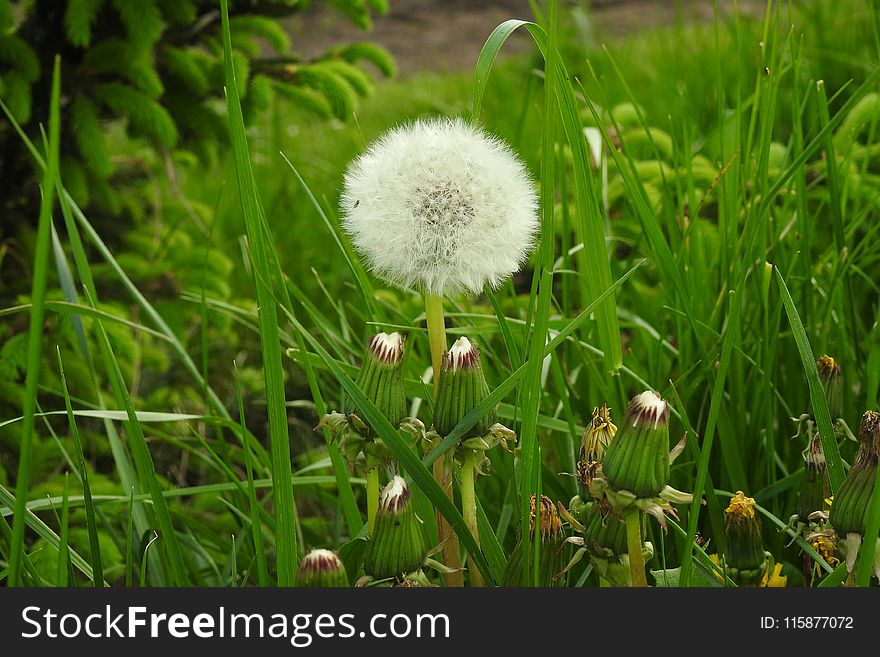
469, 506
436, 333
372, 498
634, 548
437, 342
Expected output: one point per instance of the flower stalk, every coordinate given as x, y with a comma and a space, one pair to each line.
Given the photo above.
372, 498
634, 548
437, 342
469, 505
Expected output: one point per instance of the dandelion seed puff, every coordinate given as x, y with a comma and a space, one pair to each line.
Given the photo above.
441, 207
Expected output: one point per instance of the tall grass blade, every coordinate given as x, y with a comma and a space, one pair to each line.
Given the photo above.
35, 329
286, 540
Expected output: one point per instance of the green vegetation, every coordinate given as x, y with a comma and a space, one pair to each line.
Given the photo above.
712, 236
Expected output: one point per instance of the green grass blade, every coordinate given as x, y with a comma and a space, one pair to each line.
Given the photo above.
730, 337
286, 540
35, 330
146, 471
593, 258
257, 534
91, 523
64, 536
364, 284
45, 532
817, 393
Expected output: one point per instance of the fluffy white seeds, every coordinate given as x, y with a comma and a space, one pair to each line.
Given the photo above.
441, 207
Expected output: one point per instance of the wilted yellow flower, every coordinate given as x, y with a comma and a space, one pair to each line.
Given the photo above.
773, 577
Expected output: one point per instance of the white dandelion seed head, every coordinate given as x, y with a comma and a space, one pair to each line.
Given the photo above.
440, 206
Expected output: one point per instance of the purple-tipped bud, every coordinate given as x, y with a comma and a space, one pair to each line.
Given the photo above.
321, 569
637, 460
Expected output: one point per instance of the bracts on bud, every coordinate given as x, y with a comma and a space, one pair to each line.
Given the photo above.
398, 544
462, 386
605, 540
380, 379
745, 561
637, 460
851, 502
832, 382
814, 486
321, 569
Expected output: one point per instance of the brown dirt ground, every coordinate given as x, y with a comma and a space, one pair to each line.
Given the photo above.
446, 35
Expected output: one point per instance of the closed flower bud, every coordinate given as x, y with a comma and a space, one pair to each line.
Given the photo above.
321, 569
849, 513
637, 460
605, 543
462, 386
381, 378
850, 508
814, 485
399, 543
744, 558
829, 375
604, 532
552, 541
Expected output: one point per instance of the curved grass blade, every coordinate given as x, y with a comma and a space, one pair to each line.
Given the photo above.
594, 262
817, 393
279, 438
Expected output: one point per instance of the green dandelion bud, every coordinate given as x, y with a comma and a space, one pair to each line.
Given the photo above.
814, 486
849, 511
597, 436
832, 382
850, 508
637, 460
604, 532
745, 560
605, 543
321, 569
462, 386
381, 378
398, 544
552, 541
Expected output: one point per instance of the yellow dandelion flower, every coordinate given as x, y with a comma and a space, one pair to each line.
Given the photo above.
773, 577
741, 506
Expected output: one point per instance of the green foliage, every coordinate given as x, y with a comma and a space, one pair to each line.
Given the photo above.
709, 176
157, 65
78, 20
